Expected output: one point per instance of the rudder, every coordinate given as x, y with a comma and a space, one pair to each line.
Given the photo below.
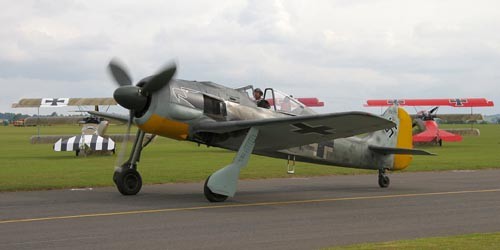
404, 140
388, 141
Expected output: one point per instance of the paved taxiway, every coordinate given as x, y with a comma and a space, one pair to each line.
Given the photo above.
301, 213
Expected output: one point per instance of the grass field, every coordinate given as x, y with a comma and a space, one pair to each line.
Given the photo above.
470, 241
28, 167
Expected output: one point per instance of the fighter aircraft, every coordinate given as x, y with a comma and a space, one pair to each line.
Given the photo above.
215, 115
429, 131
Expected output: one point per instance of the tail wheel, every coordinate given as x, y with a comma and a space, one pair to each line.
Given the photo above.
383, 180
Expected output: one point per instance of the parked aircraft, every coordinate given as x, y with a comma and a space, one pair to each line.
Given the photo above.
215, 115
92, 138
431, 131
91, 141
425, 120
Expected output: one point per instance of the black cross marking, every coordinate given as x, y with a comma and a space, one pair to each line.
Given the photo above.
395, 101
391, 130
54, 101
458, 101
322, 148
307, 129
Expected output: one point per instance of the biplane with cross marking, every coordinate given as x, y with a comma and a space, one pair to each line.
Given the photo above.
215, 115
91, 140
429, 131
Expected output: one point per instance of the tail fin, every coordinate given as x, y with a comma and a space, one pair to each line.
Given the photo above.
387, 137
396, 141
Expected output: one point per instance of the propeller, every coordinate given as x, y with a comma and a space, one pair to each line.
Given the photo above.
135, 98
132, 97
428, 115
433, 110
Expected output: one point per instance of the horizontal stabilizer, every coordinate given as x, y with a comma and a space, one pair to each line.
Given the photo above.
398, 151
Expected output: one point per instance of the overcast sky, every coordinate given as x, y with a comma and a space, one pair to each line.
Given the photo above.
342, 52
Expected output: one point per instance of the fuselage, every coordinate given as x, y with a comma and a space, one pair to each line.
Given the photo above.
175, 110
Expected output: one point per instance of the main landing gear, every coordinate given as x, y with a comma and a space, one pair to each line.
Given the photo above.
126, 177
211, 196
383, 179
127, 180
223, 182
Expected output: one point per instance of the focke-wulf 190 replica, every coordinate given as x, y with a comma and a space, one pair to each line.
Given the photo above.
214, 115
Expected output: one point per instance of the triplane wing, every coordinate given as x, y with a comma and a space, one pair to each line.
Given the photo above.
62, 102
453, 102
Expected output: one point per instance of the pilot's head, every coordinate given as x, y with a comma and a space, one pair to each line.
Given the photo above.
257, 94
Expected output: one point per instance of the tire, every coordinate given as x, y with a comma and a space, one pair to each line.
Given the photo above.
211, 196
128, 181
384, 181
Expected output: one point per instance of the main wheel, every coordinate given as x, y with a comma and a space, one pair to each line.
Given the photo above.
383, 180
128, 181
211, 196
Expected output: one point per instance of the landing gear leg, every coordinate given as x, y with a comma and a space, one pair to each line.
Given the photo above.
383, 179
126, 177
223, 183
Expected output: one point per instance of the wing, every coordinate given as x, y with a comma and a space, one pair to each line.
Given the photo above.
94, 142
52, 120
62, 102
460, 117
111, 116
294, 131
453, 102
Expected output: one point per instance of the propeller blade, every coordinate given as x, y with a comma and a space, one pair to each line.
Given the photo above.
119, 73
160, 80
123, 149
433, 110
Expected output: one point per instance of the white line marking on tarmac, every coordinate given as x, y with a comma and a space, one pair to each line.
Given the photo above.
463, 171
81, 189
271, 203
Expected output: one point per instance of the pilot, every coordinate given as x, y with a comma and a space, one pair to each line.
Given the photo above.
257, 94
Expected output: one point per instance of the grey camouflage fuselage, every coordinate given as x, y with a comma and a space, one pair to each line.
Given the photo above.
197, 102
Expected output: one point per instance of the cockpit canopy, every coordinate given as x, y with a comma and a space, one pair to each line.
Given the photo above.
281, 102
